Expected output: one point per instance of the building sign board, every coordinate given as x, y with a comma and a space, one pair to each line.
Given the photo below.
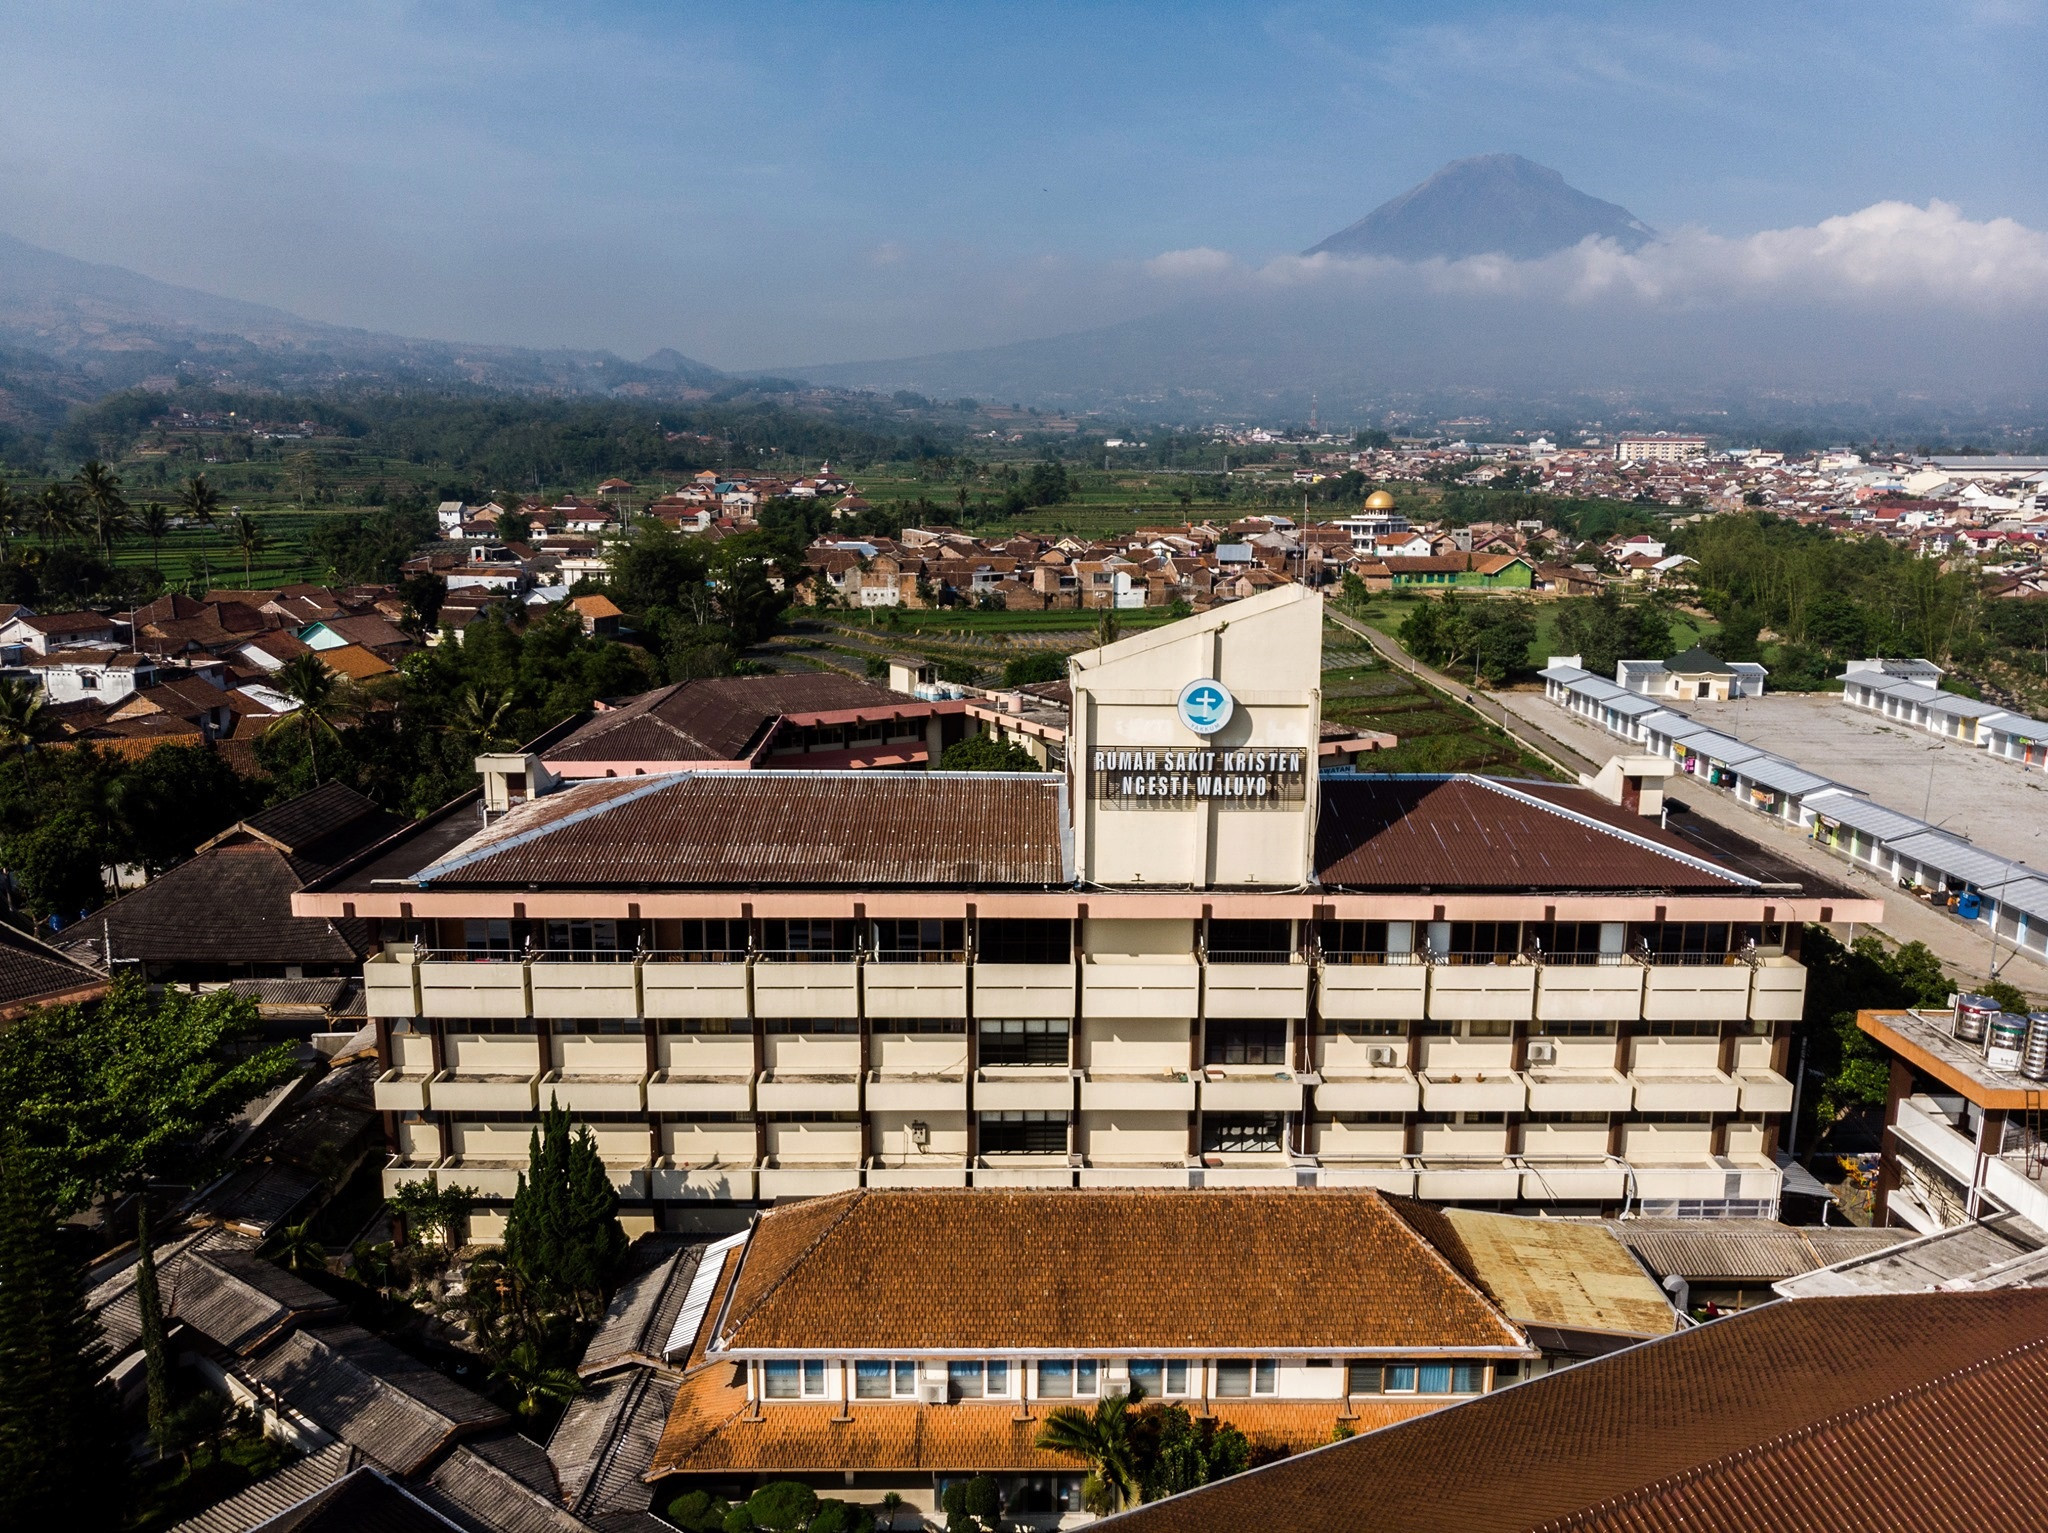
1205, 706
1253, 778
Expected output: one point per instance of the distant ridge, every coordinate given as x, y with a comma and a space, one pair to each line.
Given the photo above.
1493, 204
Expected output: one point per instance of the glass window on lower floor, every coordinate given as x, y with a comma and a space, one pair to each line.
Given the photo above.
1023, 1132
1417, 1378
880, 1379
976, 1380
1067, 1379
1159, 1377
793, 1378
1231, 1133
1239, 1378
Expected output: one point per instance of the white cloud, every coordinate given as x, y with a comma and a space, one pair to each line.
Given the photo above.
1889, 252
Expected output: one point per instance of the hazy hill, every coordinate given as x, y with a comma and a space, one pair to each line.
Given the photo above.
1493, 204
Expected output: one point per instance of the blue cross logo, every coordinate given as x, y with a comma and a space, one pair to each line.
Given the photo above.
1206, 706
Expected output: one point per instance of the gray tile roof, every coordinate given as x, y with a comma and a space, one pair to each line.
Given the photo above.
275, 1494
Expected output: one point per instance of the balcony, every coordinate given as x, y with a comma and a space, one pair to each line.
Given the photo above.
454, 985
592, 1093
1376, 1091
1136, 1174
915, 989
1028, 991
1450, 1181
390, 983
1250, 1171
1482, 992
1111, 989
1491, 1092
929, 1171
668, 1091
1248, 1089
1579, 1091
1713, 1178
1170, 1091
1589, 992
806, 1181
1023, 1171
1233, 986
1373, 991
775, 1092
1389, 1175
670, 986
1700, 1091
916, 1093
1764, 1091
1602, 1180
1696, 992
687, 1183
483, 1093
402, 1171
1024, 1088
398, 1091
806, 985
1777, 990
486, 1178
596, 989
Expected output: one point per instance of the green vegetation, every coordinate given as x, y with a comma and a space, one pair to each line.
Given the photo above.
1435, 733
1489, 637
1136, 1455
985, 753
562, 1237
781, 1506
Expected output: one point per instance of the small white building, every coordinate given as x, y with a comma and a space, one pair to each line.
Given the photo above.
1693, 676
92, 675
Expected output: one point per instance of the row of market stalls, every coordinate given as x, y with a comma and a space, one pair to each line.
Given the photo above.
2008, 899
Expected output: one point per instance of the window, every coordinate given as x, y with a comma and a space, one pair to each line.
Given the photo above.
614, 1025
1246, 1043
1572, 1029
1668, 1117
1680, 1029
1067, 1380
998, 1374
707, 1025
485, 939
1239, 1378
873, 1380
1251, 941
1681, 941
1570, 942
1565, 1117
814, 941
1004, 941
487, 1025
920, 941
582, 941
1400, 1379
790, 1379
1159, 1378
1236, 1133
1023, 1133
1490, 1027
808, 1117
966, 1380
793, 1026
1370, 1027
706, 941
922, 1025
1484, 941
1011, 1042
1363, 1119
1363, 941
1364, 1379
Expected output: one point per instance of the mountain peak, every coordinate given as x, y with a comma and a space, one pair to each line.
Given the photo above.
1491, 204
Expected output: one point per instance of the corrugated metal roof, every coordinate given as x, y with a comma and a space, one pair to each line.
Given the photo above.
1741, 1249
717, 718
1719, 747
2019, 727
723, 829
1392, 832
2027, 895
1957, 706
1915, 692
1786, 777
274, 1494
1957, 858
1861, 814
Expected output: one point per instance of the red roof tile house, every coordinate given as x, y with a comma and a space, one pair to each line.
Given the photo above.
823, 1348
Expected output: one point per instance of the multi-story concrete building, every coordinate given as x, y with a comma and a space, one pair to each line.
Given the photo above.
1190, 959
1660, 448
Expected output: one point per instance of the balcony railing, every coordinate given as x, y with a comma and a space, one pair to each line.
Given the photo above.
694, 954
1556, 960
806, 955
920, 955
1376, 959
468, 955
1688, 960
582, 955
1250, 955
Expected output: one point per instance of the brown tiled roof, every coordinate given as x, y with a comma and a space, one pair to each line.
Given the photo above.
1104, 1271
1461, 832
368, 630
32, 974
718, 718
1914, 1411
230, 904
330, 822
721, 829
354, 662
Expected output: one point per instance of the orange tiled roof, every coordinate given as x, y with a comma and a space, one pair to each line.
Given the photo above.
355, 662
1106, 1270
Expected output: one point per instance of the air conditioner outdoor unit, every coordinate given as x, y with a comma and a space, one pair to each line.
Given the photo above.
1542, 1053
1380, 1056
931, 1391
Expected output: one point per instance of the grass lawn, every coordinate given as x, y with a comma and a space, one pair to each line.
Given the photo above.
1388, 611
1436, 734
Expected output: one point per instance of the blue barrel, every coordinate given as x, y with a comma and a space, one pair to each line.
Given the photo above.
1968, 904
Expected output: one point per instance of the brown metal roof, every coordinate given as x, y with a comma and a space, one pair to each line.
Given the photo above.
1117, 1270
727, 829
718, 718
1753, 1250
1453, 833
1912, 1412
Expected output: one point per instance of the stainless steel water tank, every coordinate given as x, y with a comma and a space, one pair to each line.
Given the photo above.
1971, 1012
2034, 1062
2005, 1040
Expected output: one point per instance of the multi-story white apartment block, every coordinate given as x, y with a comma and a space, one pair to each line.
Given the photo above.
1660, 448
1191, 959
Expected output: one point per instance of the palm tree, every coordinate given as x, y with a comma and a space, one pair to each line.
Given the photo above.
14, 515
56, 513
99, 487
297, 1248
480, 716
535, 1383
324, 703
199, 500
155, 524
22, 717
250, 537
1101, 1438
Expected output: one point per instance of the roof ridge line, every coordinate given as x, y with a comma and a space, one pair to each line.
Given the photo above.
1494, 1307
1859, 1410
527, 837
858, 1195
1676, 855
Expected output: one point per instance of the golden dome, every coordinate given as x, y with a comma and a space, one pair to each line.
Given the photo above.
1379, 500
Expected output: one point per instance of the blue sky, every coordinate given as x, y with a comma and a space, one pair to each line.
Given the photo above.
769, 184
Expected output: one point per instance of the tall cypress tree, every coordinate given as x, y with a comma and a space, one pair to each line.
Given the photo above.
563, 1235
595, 1242
61, 1448
156, 1366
